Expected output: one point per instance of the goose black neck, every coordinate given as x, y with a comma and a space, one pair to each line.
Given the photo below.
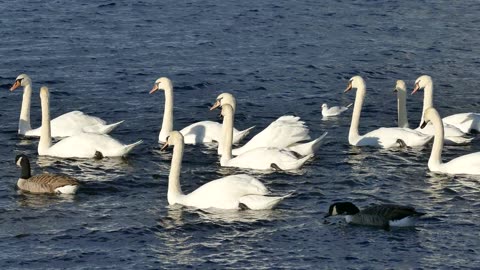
25, 167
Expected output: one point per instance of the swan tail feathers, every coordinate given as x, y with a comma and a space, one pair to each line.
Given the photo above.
308, 148
130, 147
349, 105
102, 129
242, 134
458, 140
261, 202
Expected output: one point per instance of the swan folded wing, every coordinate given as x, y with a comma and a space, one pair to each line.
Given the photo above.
224, 193
47, 183
283, 132
200, 132
263, 157
467, 164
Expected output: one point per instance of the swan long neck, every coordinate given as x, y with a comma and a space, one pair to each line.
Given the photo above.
436, 155
174, 188
402, 109
353, 134
24, 121
227, 128
167, 123
427, 98
45, 133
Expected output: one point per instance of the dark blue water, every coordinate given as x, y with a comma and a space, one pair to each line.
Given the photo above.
276, 57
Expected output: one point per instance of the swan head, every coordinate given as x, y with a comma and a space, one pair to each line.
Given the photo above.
324, 106
400, 86
355, 82
174, 138
224, 98
21, 80
421, 82
429, 114
342, 208
44, 93
162, 83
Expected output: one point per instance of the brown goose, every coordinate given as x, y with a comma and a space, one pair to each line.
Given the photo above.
43, 183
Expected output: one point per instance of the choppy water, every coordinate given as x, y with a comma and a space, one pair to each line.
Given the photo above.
277, 57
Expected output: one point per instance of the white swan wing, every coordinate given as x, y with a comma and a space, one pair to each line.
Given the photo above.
206, 132
467, 164
388, 137
85, 145
284, 131
225, 193
263, 158
464, 121
69, 124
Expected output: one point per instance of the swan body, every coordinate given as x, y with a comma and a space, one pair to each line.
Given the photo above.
231, 192
382, 137
43, 183
335, 110
262, 158
454, 124
65, 125
197, 133
467, 164
382, 215
83, 145
285, 132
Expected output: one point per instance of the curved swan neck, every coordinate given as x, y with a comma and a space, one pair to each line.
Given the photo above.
427, 98
45, 133
353, 134
402, 108
24, 121
174, 188
167, 123
227, 128
436, 155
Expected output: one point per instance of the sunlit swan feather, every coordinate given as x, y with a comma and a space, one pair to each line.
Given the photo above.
467, 164
65, 125
262, 158
83, 145
285, 132
232, 192
197, 133
382, 137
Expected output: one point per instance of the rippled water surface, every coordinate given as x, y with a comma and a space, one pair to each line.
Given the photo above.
276, 57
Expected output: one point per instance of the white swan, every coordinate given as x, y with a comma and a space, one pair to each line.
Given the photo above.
285, 132
466, 122
382, 137
467, 164
453, 135
232, 192
200, 132
335, 110
65, 125
262, 158
83, 145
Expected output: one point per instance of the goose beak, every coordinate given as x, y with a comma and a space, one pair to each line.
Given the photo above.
349, 87
216, 105
423, 124
154, 89
15, 85
417, 87
164, 147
